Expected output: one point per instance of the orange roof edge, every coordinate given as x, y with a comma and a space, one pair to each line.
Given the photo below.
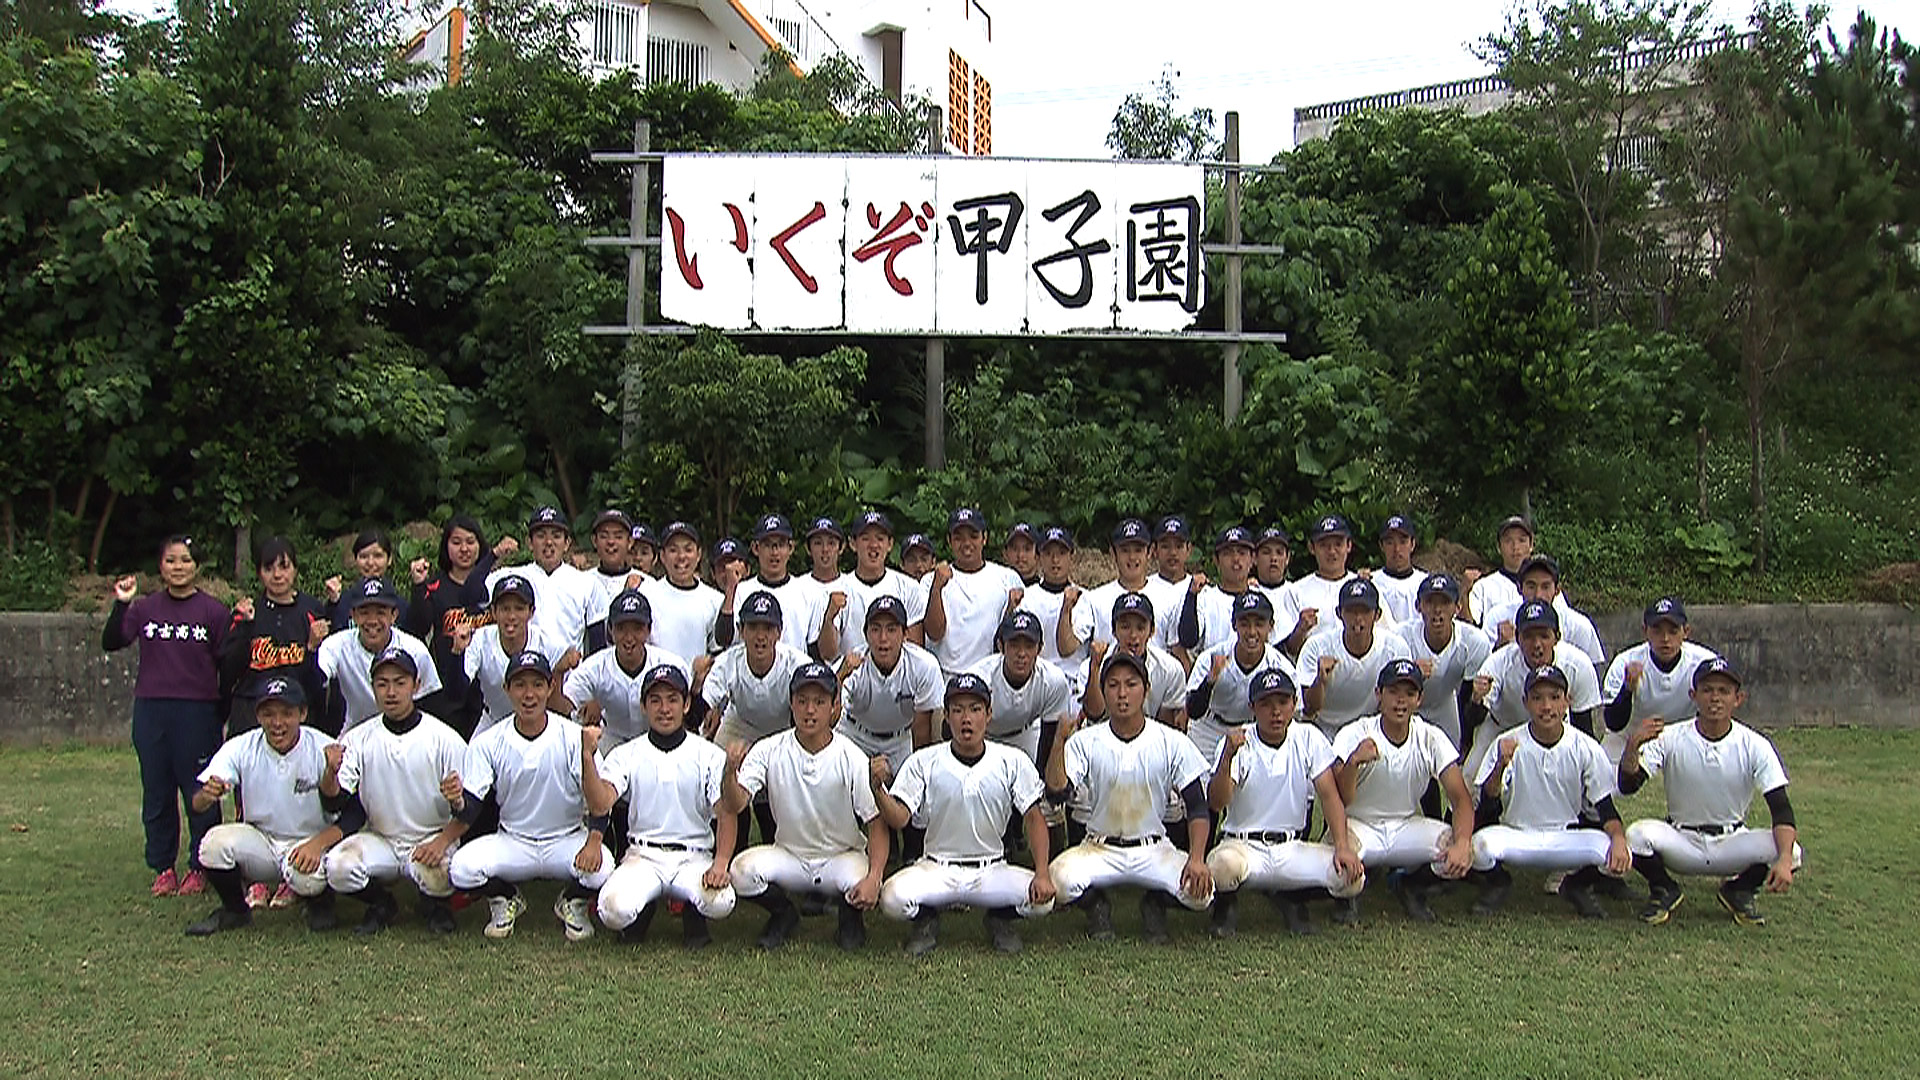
456, 43
766, 38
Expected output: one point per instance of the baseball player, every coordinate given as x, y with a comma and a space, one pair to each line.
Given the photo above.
825, 544
398, 775
454, 599
679, 841
967, 598
562, 592
1501, 589
643, 550
1207, 616
1298, 611
966, 790
832, 838
1088, 619
1449, 651
1498, 701
373, 558
888, 694
1132, 621
1126, 768
542, 771
608, 688
1339, 668
284, 767
1384, 765
1398, 579
917, 557
1027, 696
345, 658
803, 608
687, 619
1537, 785
872, 578
612, 574
1540, 580
744, 696
1653, 678
1046, 599
1711, 767
1169, 585
1217, 701
1267, 787
1272, 551
492, 648
1021, 552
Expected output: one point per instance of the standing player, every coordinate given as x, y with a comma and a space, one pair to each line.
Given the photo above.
1398, 580
541, 770
966, 790
1267, 787
872, 578
1212, 608
1298, 611
746, 694
612, 574
1132, 621
1217, 691
1340, 669
1537, 785
1501, 589
1126, 769
1711, 767
888, 696
1540, 580
967, 598
1272, 551
1450, 652
679, 840
1653, 679
562, 592
453, 601
802, 607
818, 784
1500, 684
1021, 552
1384, 765
283, 766
607, 688
917, 557
643, 552
825, 544
1170, 584
494, 647
1028, 697
1045, 601
1088, 619
398, 775
346, 658
687, 617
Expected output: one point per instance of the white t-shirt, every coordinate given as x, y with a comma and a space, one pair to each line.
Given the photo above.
1215, 608
1274, 784
967, 807
670, 793
1229, 704
822, 802
1310, 592
347, 664
623, 711
1045, 696
536, 781
683, 619
1575, 628
761, 702
1460, 660
803, 608
1665, 694
1710, 782
1128, 782
1168, 597
602, 588
1399, 596
884, 702
1547, 787
1507, 701
1044, 602
1093, 615
1493, 592
974, 603
280, 792
560, 601
398, 776
1389, 788
486, 663
852, 620
1350, 690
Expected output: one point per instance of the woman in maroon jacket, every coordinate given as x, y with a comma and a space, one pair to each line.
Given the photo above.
176, 704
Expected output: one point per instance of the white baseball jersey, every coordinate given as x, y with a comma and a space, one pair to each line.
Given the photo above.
852, 621
1665, 694
1274, 784
1313, 591
683, 617
803, 608
623, 711
345, 663
486, 661
536, 781
967, 807
1350, 692
1093, 615
1575, 628
1044, 601
1388, 789
560, 601
974, 603
759, 701
397, 776
1229, 704
602, 588
1046, 695
670, 793
1399, 595
1547, 787
883, 703
1507, 701
1491, 593
1166, 681
1168, 598
822, 802
1128, 782
1215, 608
280, 792
1708, 781
1456, 662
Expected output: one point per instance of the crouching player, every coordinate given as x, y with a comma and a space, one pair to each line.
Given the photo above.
282, 768
966, 790
1537, 783
1711, 767
1266, 786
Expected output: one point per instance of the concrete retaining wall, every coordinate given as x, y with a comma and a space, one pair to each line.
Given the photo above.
1818, 664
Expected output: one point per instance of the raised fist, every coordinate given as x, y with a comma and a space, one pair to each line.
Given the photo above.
421, 570
506, 548
1482, 686
879, 773
125, 589
1236, 738
590, 739
836, 602
1309, 618
451, 789
1328, 665
335, 754
1508, 746
244, 609
1634, 671
1070, 596
333, 589
1365, 752
942, 573
736, 753
1425, 666
1218, 665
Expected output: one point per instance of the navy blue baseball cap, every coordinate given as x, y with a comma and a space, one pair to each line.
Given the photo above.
1514, 522
1547, 673
1398, 523
1022, 624
761, 607
1023, 529
825, 525
1133, 603
1269, 683
1665, 609
1440, 585
630, 606
1401, 671
813, 674
281, 688
512, 585
1130, 531
1359, 593
917, 540
664, 673
1273, 534
1234, 536
679, 528
872, 519
886, 607
548, 517
772, 525
1536, 613
968, 683
614, 517
1331, 525
529, 660
394, 656
1132, 660
374, 591
1252, 602
1541, 564
1718, 665
641, 534
1173, 525
966, 518
729, 548
1057, 534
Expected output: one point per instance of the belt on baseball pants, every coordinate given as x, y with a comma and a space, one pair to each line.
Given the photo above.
1707, 830
1275, 836
967, 864
669, 847
1224, 722
1127, 841
882, 734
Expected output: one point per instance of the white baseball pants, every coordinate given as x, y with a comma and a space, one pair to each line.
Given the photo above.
1688, 852
931, 883
1541, 849
1403, 844
513, 858
240, 846
770, 864
1296, 864
367, 857
647, 874
1095, 865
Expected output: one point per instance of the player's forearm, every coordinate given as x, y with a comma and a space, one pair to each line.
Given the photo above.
877, 840
1454, 783
922, 729
1197, 830
1068, 641
936, 620
733, 796
1784, 838
1346, 779
1295, 640
1313, 696
203, 802
892, 810
1333, 807
1039, 838
829, 640
1490, 788
600, 794
1220, 789
726, 834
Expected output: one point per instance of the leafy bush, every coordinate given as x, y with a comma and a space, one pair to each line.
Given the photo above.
34, 576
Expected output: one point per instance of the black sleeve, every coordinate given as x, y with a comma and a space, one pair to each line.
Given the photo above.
1200, 699
723, 630
1472, 713
1779, 807
1583, 722
113, 636
470, 807
1488, 812
353, 816
697, 712
1629, 783
1189, 630
1195, 796
600, 823
1606, 810
333, 719
596, 639
1620, 710
419, 618
1059, 796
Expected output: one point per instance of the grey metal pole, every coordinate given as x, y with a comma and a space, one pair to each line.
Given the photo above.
1230, 393
936, 389
636, 275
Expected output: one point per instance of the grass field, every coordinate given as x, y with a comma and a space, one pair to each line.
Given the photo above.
104, 984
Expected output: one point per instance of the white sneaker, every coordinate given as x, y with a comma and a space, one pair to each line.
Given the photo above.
502, 911
576, 916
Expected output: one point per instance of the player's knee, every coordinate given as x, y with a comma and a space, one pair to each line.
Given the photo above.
897, 903
1070, 877
1641, 835
617, 909
345, 870
1228, 865
219, 848
466, 872
715, 903
432, 880
747, 872
304, 884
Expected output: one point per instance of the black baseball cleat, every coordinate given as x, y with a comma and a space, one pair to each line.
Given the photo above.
1346, 910
926, 934
852, 932
379, 916
320, 914
1224, 922
1099, 914
1741, 903
1153, 916
636, 931
694, 933
223, 918
1660, 905
438, 915
1580, 895
1293, 911
1495, 886
780, 927
1413, 899
1000, 928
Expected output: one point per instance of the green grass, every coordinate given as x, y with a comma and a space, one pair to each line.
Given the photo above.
102, 982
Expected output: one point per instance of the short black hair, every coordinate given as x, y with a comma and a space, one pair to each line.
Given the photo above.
183, 540
373, 538
272, 550
459, 521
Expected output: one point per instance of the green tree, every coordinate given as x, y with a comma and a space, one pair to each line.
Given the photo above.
1155, 128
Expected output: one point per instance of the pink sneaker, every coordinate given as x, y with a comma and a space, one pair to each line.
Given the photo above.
166, 883
257, 896
193, 884
284, 897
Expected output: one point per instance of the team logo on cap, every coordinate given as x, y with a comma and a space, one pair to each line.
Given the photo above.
1402, 671
1546, 673
1536, 613
664, 673
1252, 602
1022, 624
1718, 665
1663, 606
770, 522
1267, 684
1133, 603
276, 687
1359, 593
546, 514
968, 683
1058, 535
762, 604
1131, 529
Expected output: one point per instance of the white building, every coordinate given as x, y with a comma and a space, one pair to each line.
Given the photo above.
938, 49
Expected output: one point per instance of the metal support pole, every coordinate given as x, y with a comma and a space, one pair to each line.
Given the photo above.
936, 389
1230, 355
636, 276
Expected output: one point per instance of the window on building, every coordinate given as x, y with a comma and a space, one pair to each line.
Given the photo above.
616, 27
959, 101
670, 60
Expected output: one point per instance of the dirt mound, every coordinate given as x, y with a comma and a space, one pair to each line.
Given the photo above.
1898, 583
